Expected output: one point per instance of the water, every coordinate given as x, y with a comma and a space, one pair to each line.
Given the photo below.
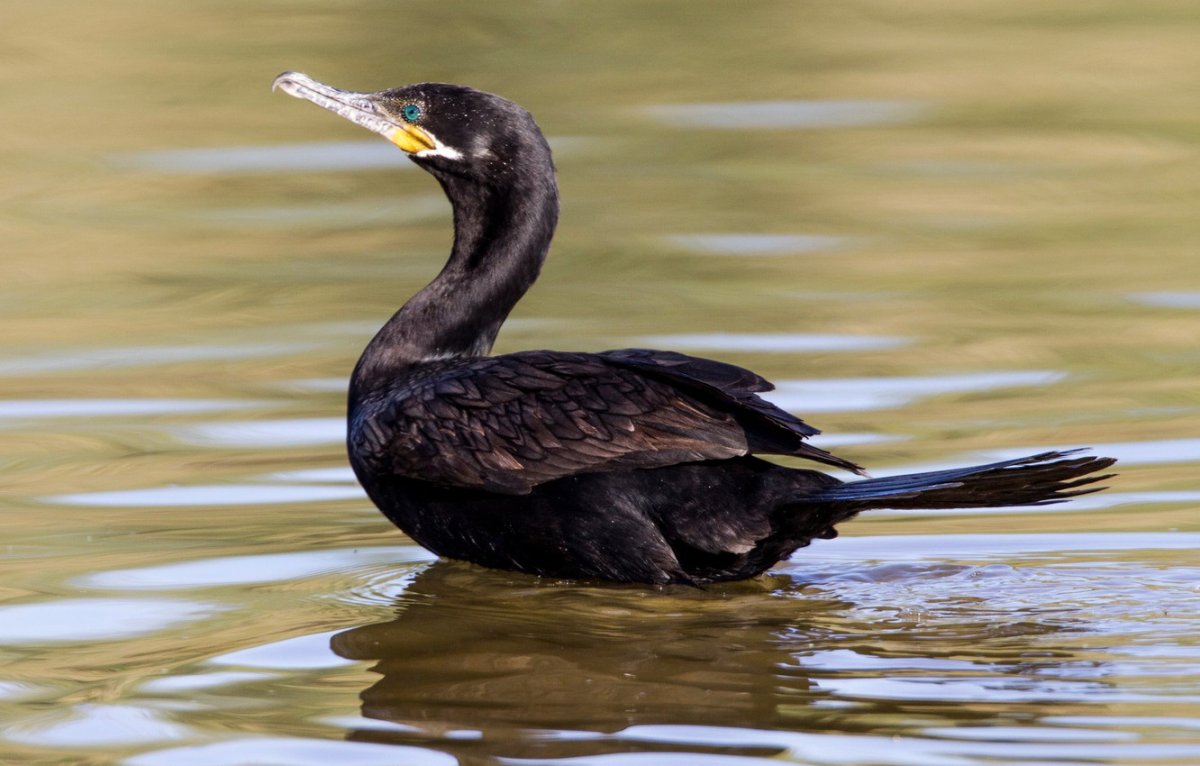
951, 235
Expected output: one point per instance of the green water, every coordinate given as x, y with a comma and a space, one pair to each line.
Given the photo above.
949, 232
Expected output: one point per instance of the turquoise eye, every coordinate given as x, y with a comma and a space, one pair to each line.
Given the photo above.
411, 112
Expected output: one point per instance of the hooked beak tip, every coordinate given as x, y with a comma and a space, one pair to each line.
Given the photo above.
283, 79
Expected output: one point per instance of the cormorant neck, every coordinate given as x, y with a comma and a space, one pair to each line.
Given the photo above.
502, 233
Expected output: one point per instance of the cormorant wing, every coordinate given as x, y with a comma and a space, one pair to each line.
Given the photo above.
509, 423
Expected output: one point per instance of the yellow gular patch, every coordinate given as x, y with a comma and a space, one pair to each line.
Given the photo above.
412, 139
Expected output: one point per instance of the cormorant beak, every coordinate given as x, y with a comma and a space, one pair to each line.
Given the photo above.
360, 108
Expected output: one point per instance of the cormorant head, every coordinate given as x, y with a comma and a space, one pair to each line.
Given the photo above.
450, 130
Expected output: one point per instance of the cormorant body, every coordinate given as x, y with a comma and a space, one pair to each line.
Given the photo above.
631, 465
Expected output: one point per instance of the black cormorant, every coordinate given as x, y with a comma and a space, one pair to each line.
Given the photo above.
632, 465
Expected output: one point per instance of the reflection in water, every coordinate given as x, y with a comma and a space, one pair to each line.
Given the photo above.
390, 211
542, 656
779, 115
267, 433
1077, 505
483, 662
473, 650
287, 158
95, 619
1023, 215
288, 751
1148, 452
71, 359
300, 653
1170, 300
22, 409
757, 244
845, 394
206, 496
246, 570
772, 342
89, 725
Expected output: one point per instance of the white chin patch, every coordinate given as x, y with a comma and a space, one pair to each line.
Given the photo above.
439, 150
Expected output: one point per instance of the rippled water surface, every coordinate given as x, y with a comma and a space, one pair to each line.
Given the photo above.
950, 233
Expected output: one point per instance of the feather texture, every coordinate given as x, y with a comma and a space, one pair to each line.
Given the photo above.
509, 423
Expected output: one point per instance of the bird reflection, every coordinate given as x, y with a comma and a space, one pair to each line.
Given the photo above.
493, 654
484, 664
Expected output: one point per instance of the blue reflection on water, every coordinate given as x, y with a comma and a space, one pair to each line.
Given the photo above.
95, 619
316, 155
757, 244
777, 115
291, 751
1170, 300
773, 342
246, 570
853, 394
207, 495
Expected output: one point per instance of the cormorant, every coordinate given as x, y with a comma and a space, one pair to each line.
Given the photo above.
632, 465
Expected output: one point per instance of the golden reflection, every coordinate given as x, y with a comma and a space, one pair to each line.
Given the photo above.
1050, 181
479, 662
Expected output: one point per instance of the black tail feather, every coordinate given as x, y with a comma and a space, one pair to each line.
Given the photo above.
1048, 477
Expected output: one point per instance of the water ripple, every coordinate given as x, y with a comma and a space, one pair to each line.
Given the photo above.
757, 244
1094, 502
311, 156
335, 475
189, 684
1149, 452
314, 156
247, 570
891, 750
308, 652
773, 342
780, 115
87, 725
247, 434
142, 356
391, 211
1169, 300
18, 409
860, 394
291, 751
207, 495
95, 619
940, 547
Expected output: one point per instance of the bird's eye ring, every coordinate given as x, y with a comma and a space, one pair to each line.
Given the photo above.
410, 112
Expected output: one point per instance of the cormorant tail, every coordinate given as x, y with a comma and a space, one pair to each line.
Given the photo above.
1048, 477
